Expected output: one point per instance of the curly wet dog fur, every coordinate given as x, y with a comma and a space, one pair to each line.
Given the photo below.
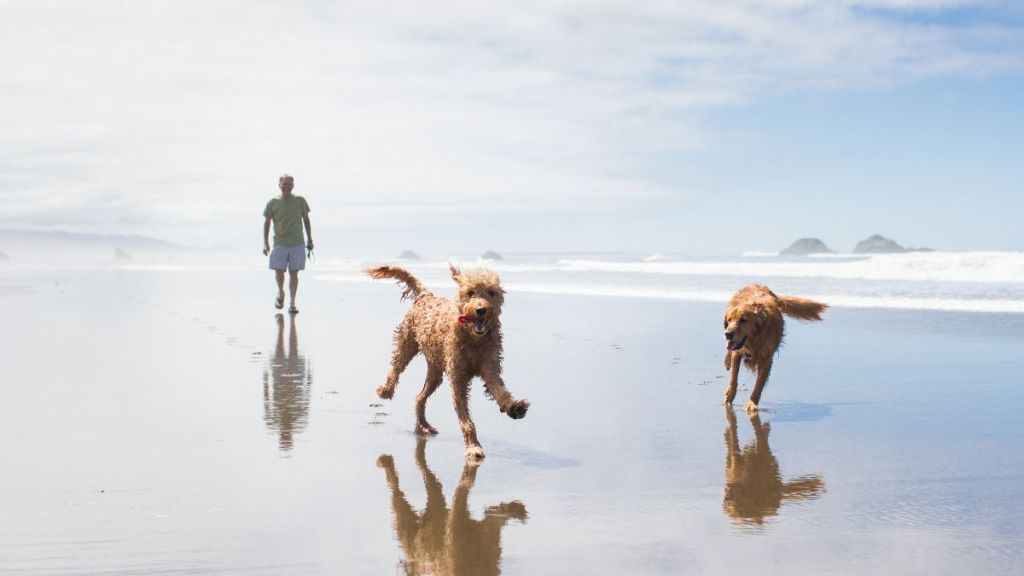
754, 329
460, 339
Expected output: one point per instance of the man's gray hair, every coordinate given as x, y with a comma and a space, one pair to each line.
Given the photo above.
285, 177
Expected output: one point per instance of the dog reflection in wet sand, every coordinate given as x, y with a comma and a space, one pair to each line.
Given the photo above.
442, 540
754, 488
286, 387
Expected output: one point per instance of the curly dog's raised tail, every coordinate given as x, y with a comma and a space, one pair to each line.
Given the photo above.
801, 308
412, 289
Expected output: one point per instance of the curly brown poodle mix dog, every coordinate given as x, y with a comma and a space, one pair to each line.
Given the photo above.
460, 339
754, 328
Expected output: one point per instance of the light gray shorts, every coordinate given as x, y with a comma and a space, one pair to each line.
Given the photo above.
292, 258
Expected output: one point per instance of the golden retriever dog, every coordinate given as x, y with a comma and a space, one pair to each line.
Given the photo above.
754, 328
460, 339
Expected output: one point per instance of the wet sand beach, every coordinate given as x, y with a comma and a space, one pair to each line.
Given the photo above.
170, 422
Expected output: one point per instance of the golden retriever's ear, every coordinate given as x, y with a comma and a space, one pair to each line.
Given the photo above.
456, 274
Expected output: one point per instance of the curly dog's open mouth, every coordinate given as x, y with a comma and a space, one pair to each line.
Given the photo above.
479, 325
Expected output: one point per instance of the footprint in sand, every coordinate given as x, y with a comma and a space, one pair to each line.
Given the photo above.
378, 417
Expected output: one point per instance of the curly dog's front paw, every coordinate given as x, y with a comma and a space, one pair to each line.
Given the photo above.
517, 409
385, 393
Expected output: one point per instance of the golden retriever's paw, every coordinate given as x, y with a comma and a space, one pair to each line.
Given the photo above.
385, 393
517, 409
474, 453
425, 430
385, 461
750, 407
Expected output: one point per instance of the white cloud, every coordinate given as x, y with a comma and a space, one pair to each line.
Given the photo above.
122, 115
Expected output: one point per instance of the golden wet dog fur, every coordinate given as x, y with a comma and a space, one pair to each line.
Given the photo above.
460, 339
754, 328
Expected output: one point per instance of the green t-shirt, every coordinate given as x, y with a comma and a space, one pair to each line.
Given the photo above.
287, 216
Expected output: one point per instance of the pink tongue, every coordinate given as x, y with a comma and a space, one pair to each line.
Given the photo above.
730, 346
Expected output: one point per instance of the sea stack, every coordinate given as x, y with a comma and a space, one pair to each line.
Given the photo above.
121, 254
491, 255
4, 257
878, 244
805, 246
408, 255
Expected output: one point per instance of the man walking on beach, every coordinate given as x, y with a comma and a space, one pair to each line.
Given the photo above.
290, 214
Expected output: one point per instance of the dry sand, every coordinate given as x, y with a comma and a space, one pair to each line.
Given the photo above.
168, 422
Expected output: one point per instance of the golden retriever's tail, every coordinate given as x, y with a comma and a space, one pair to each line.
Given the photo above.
801, 308
412, 287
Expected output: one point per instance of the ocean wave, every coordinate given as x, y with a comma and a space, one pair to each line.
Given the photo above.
441, 266
836, 299
985, 267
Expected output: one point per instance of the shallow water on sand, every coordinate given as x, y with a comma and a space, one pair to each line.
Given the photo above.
170, 422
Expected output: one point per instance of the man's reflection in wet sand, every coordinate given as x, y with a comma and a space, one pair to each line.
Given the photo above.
286, 387
754, 488
442, 540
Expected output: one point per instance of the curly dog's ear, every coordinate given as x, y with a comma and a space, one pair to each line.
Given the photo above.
456, 274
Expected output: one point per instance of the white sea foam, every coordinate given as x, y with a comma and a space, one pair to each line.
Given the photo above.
975, 267
838, 300
987, 267
639, 291
953, 281
657, 258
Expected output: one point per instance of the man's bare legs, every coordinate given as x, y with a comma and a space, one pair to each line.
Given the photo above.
279, 276
293, 285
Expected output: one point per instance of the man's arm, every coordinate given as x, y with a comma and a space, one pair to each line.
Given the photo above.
309, 230
266, 236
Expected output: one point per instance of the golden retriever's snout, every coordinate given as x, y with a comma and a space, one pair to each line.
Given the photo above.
732, 341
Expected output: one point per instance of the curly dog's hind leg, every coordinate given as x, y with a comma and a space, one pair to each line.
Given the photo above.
405, 350
434, 377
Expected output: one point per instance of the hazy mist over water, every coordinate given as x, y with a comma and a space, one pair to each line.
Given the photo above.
633, 165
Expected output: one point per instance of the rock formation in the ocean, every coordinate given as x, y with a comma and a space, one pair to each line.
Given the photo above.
408, 255
878, 244
121, 254
4, 257
805, 246
491, 255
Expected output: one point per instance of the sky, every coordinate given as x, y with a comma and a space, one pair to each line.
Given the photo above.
703, 127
